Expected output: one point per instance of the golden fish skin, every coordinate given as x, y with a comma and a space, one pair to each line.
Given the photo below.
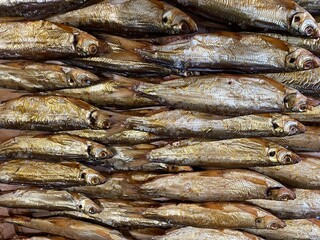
67, 227
51, 113
44, 173
309, 141
52, 200
44, 40
215, 215
117, 136
116, 93
191, 233
227, 94
274, 15
307, 82
245, 152
130, 17
312, 6
53, 147
306, 205
35, 76
304, 174
227, 51
216, 185
35, 9
115, 214
182, 123
296, 229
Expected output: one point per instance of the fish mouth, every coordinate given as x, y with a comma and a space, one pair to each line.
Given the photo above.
280, 194
288, 158
277, 224
294, 127
301, 59
269, 222
177, 22
304, 24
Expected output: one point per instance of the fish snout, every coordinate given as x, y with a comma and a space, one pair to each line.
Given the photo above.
269, 222
280, 194
177, 22
304, 24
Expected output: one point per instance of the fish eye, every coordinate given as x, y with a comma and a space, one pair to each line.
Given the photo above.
93, 49
308, 65
94, 180
287, 159
303, 107
92, 210
258, 221
87, 82
103, 154
183, 26
293, 129
275, 125
80, 206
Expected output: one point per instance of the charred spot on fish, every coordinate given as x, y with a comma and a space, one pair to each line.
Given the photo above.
272, 153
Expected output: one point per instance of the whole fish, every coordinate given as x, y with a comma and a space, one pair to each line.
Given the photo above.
245, 152
307, 82
310, 116
309, 141
215, 215
116, 135
115, 92
181, 123
298, 229
304, 174
34, 76
48, 173
306, 205
274, 15
115, 214
312, 6
35, 9
130, 17
228, 94
191, 233
52, 200
216, 185
237, 52
53, 147
134, 158
67, 227
52, 113
45, 40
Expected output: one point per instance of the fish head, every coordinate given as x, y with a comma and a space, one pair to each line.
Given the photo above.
88, 206
79, 78
176, 22
297, 102
280, 194
92, 177
85, 44
284, 125
98, 151
269, 222
304, 24
301, 59
99, 119
278, 154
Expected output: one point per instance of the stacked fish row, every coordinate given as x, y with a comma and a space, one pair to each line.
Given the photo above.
207, 134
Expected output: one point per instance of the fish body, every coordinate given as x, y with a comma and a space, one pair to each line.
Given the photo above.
312, 6
216, 185
44, 173
53, 147
52, 200
245, 152
215, 215
310, 116
130, 17
51, 113
275, 15
45, 40
182, 123
227, 51
304, 174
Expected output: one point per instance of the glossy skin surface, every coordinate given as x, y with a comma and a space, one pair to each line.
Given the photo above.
44, 173
51, 113
299, 229
34, 76
245, 152
312, 6
306, 205
227, 94
53, 147
216, 185
274, 15
309, 141
191, 233
50, 200
304, 174
222, 51
36, 9
181, 123
67, 227
44, 40
130, 16
215, 215
116, 92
